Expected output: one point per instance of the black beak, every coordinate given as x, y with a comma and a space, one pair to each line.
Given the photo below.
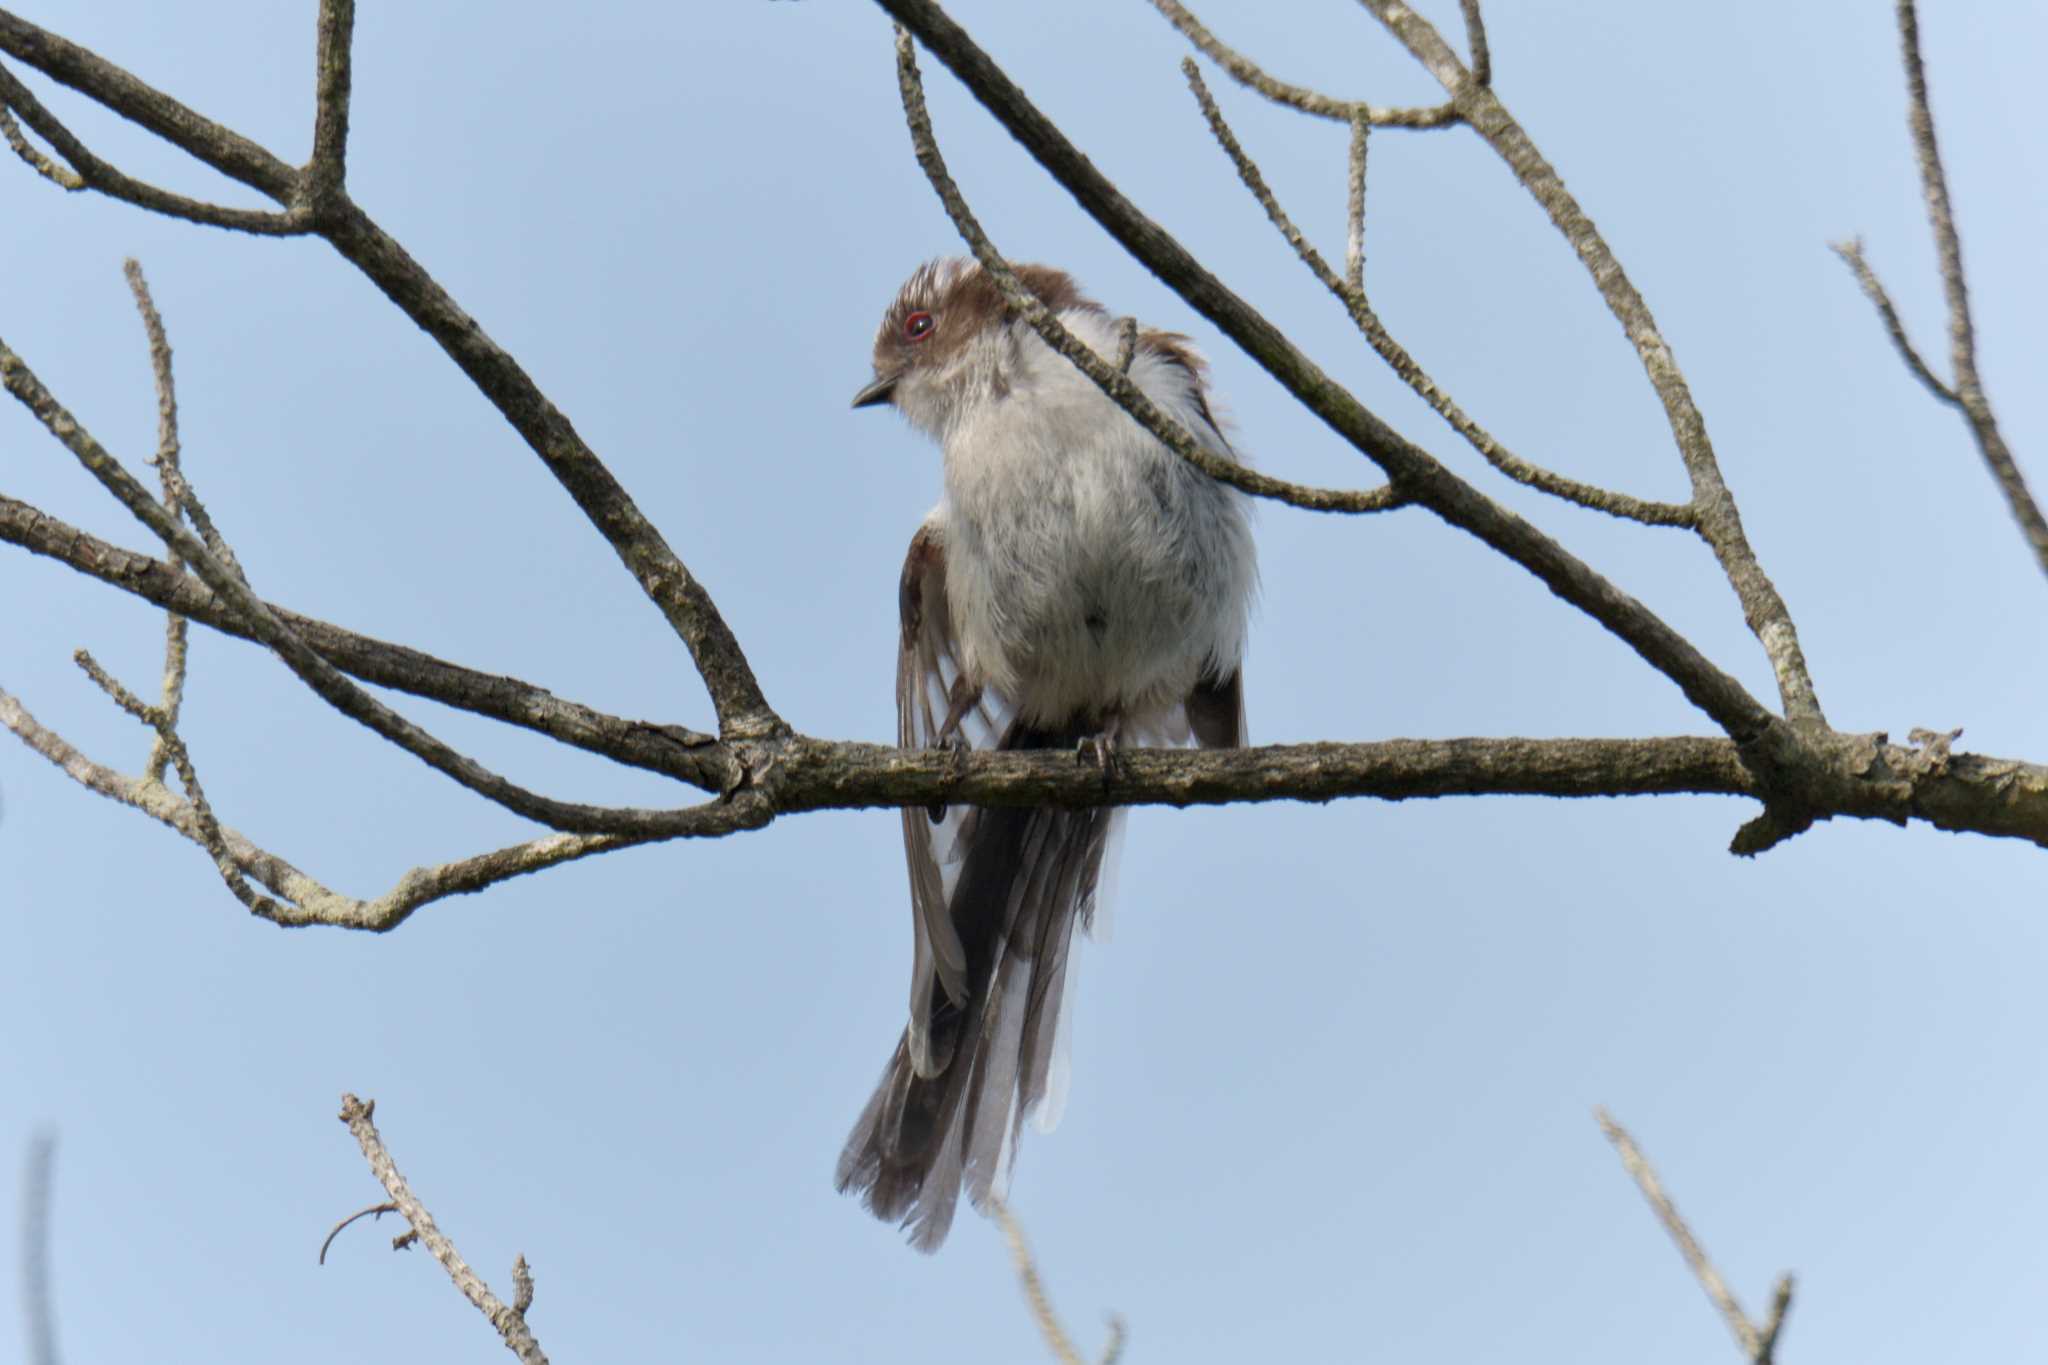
881, 391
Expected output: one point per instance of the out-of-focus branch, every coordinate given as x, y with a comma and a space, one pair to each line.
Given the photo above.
38, 1304
1967, 394
1352, 295
1758, 1343
1049, 1326
1717, 519
1107, 377
508, 1319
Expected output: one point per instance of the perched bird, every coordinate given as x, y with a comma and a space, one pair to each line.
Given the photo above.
1078, 586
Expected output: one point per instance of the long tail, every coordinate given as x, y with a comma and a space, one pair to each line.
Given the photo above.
1027, 878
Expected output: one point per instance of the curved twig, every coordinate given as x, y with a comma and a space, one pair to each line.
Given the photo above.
1717, 519
1404, 365
1248, 73
377, 1210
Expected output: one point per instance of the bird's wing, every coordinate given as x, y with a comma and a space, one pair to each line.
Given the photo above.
936, 706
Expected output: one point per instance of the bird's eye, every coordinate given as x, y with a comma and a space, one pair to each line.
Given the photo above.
918, 325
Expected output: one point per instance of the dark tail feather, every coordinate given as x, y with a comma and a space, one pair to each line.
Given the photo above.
1028, 877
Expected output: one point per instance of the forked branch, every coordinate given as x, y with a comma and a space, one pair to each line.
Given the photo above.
1966, 394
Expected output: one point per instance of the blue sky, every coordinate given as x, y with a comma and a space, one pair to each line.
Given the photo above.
1334, 1071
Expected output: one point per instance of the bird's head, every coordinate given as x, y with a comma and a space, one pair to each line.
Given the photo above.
946, 340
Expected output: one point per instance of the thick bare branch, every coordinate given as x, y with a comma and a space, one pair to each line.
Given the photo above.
1108, 377
669, 749
1757, 1344
1718, 521
509, 1321
1352, 296
1248, 73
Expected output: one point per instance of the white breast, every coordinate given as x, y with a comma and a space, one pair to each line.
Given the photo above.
1091, 571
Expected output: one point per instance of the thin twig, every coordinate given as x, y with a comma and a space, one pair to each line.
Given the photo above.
685, 754
1717, 520
1852, 255
1125, 394
743, 711
375, 1210
88, 172
1393, 353
61, 176
166, 461
1968, 392
328, 682
1354, 205
301, 900
1248, 73
1756, 1346
509, 1321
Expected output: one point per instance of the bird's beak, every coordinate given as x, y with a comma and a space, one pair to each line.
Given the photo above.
881, 391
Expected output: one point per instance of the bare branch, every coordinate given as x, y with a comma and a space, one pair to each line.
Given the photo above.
509, 1321
1354, 202
1475, 38
90, 173
1392, 352
1967, 394
166, 461
1049, 1325
743, 711
328, 169
1852, 255
38, 1304
1756, 1346
1247, 73
671, 749
1112, 382
327, 681
1718, 521
304, 901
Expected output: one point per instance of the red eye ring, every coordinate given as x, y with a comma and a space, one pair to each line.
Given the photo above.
918, 325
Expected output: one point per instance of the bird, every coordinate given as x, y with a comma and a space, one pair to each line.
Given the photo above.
1078, 587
